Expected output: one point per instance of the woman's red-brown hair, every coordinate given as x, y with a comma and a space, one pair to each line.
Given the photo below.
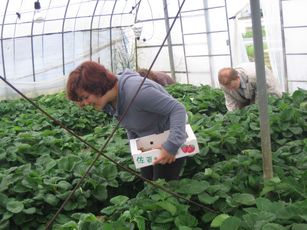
90, 77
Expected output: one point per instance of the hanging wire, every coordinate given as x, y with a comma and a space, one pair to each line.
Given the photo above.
135, 6
100, 152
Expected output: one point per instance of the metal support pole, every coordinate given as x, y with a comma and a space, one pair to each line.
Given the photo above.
283, 40
261, 90
183, 46
169, 41
209, 42
32, 48
228, 34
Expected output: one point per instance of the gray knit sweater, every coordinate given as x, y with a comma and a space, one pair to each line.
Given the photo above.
152, 112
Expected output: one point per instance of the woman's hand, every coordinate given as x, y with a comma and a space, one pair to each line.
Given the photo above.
164, 157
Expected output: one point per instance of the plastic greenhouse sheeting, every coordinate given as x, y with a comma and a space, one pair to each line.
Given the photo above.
39, 47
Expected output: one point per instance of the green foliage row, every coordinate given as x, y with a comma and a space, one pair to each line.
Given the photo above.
41, 163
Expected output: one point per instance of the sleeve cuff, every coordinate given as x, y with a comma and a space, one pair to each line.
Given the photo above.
170, 148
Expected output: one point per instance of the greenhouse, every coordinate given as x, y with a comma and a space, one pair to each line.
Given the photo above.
101, 101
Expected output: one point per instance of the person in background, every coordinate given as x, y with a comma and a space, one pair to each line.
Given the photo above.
239, 85
157, 76
92, 84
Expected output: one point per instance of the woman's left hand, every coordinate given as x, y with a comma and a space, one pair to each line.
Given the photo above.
164, 157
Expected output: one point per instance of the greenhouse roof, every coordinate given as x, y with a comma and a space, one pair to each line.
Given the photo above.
55, 16
46, 39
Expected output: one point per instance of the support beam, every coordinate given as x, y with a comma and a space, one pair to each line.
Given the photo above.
261, 90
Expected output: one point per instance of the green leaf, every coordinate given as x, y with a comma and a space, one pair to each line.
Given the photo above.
126, 176
109, 171
52, 163
299, 96
184, 228
218, 220
14, 206
262, 217
189, 186
71, 225
109, 210
218, 188
299, 227
208, 217
254, 126
64, 185
272, 226
186, 220
119, 200
231, 140
231, 223
303, 106
163, 218
167, 206
80, 169
3, 200
278, 208
30, 211
5, 182
100, 192
275, 180
32, 180
140, 222
286, 115
206, 198
23, 148
88, 217
296, 130
68, 163
71, 205
6, 215
20, 188
51, 199
5, 224
2, 155
263, 203
244, 198
281, 141
89, 222
208, 172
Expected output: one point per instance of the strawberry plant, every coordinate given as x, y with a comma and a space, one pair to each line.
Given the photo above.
41, 163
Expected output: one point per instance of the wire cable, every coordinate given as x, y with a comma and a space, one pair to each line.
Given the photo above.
135, 6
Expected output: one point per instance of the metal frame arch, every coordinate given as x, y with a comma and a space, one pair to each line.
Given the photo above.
91, 30
14, 45
99, 20
43, 31
111, 44
63, 50
74, 31
2, 28
137, 7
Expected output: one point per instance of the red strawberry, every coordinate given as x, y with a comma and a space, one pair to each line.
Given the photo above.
191, 148
185, 148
